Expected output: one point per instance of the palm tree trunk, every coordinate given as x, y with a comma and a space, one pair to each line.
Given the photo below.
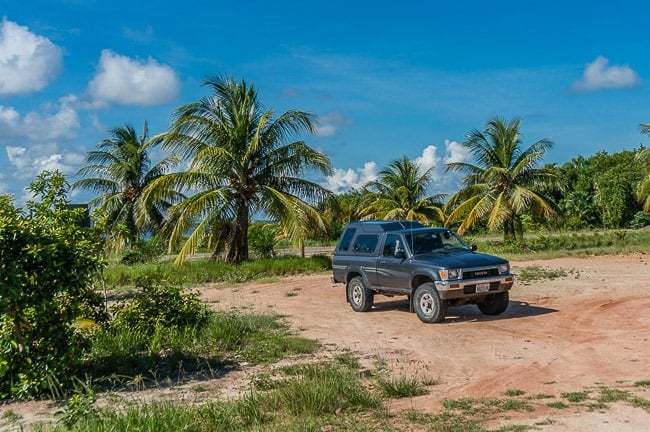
301, 246
509, 230
238, 251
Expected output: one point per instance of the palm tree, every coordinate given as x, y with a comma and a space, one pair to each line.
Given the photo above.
643, 189
120, 169
504, 182
339, 210
400, 192
242, 161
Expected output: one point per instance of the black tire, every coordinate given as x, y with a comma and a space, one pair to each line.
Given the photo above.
495, 304
428, 305
359, 297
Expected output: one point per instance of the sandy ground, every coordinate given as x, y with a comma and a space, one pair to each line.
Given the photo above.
590, 328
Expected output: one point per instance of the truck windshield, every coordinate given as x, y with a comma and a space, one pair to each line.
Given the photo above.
434, 241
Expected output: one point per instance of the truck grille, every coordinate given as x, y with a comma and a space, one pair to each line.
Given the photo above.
475, 274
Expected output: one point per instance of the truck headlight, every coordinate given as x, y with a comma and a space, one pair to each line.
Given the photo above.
450, 274
504, 268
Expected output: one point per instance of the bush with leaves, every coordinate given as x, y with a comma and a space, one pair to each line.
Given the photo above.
161, 305
640, 220
262, 239
142, 251
48, 263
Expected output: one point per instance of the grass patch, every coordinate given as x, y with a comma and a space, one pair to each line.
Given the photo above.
608, 395
209, 271
514, 392
401, 386
515, 428
446, 421
348, 360
557, 405
486, 406
554, 245
117, 355
535, 273
323, 396
576, 397
640, 402
323, 389
642, 383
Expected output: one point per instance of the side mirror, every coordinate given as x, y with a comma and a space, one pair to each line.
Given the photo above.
473, 247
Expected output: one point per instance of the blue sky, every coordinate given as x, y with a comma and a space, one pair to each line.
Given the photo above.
384, 78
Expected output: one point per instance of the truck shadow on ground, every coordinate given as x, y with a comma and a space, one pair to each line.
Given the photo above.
470, 313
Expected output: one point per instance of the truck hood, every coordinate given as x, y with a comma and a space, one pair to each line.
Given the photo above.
459, 259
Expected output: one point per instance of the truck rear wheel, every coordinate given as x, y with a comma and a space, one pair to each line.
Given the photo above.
495, 304
359, 297
428, 305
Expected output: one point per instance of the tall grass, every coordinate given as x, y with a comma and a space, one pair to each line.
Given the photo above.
305, 402
118, 354
206, 271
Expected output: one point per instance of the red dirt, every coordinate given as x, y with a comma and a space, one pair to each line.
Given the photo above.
590, 327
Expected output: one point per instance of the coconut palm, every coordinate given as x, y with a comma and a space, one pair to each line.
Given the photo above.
339, 210
242, 161
643, 189
504, 181
400, 192
119, 170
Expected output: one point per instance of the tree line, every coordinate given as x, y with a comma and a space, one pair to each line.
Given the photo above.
228, 160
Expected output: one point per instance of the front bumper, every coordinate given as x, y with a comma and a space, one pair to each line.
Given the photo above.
460, 289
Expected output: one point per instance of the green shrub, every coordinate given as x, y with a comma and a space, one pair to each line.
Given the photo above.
160, 305
262, 239
641, 219
47, 265
142, 251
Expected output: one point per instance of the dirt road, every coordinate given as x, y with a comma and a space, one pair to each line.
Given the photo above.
589, 328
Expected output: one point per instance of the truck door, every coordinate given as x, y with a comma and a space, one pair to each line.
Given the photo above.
365, 255
392, 271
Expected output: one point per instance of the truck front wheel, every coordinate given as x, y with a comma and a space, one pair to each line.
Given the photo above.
359, 297
428, 305
495, 304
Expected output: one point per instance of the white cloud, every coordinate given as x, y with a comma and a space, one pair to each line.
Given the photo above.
428, 159
343, 179
123, 80
58, 122
442, 181
33, 141
455, 152
600, 75
31, 163
28, 62
329, 124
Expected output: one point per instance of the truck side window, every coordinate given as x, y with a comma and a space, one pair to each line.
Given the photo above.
366, 243
347, 239
390, 244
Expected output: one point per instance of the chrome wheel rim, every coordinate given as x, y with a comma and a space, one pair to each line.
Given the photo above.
357, 294
426, 304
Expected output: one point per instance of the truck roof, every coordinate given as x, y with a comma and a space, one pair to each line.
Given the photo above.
379, 226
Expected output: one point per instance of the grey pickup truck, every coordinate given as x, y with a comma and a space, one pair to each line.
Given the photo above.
432, 266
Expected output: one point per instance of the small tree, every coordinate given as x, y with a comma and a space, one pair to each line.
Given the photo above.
47, 266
